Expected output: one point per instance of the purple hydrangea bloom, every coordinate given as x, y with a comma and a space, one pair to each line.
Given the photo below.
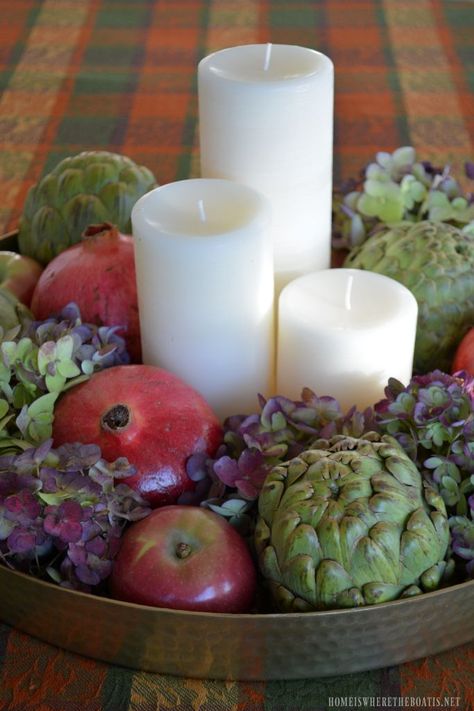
62, 515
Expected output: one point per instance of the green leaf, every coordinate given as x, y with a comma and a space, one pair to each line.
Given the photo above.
24, 348
21, 396
432, 462
54, 499
46, 355
375, 188
39, 432
5, 420
64, 348
4, 407
54, 574
75, 381
45, 403
368, 205
43, 418
404, 156
8, 352
68, 369
55, 383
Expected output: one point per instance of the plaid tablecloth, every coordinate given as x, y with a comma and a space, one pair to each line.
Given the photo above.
121, 75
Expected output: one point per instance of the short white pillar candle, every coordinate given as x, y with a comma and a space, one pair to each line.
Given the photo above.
204, 268
266, 120
343, 333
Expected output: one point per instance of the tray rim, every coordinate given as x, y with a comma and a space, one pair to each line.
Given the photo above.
242, 647
363, 609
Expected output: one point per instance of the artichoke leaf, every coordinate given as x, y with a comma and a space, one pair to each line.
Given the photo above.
112, 199
434, 499
270, 496
357, 488
296, 469
97, 177
369, 564
46, 220
360, 509
47, 194
323, 490
312, 511
82, 211
375, 593
432, 577
411, 591
331, 580
261, 535
391, 506
283, 526
351, 530
330, 540
126, 200
300, 491
417, 554
269, 565
385, 483
283, 597
349, 598
441, 527
303, 541
70, 183
299, 575
387, 536
287, 602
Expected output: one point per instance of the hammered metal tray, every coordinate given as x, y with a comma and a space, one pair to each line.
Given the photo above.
244, 647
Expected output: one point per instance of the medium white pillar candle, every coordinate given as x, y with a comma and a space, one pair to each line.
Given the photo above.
204, 268
266, 120
344, 332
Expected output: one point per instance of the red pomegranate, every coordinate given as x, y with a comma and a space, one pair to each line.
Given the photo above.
147, 415
98, 274
464, 354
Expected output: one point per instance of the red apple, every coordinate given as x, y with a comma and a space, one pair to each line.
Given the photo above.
19, 274
464, 356
149, 416
185, 558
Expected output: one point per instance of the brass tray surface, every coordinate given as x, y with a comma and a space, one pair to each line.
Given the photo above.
244, 647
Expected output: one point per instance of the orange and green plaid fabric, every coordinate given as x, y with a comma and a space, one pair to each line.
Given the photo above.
120, 75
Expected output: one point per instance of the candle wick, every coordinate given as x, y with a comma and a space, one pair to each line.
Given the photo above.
202, 212
348, 294
268, 53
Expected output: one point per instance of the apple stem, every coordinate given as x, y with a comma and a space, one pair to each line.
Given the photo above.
117, 418
183, 550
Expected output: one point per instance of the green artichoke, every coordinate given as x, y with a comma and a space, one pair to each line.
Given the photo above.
90, 188
436, 262
348, 523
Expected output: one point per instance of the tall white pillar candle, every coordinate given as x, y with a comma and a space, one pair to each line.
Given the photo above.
344, 333
204, 268
266, 120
